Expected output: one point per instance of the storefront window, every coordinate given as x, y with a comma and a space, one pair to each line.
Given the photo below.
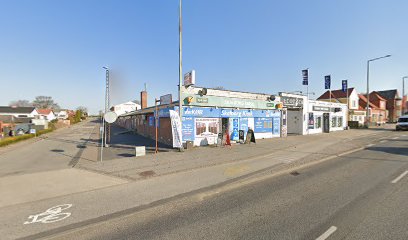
212, 127
340, 122
318, 122
200, 128
333, 121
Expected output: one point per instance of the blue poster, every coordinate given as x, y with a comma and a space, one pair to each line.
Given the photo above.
276, 126
262, 125
235, 128
188, 129
151, 121
243, 125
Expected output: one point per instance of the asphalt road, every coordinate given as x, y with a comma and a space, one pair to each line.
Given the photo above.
362, 195
58, 150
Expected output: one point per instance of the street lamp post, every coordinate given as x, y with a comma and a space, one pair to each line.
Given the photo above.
368, 88
403, 93
403, 85
106, 125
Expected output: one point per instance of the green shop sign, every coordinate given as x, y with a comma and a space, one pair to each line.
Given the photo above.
215, 101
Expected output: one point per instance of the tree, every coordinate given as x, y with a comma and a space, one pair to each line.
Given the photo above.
21, 103
45, 102
83, 109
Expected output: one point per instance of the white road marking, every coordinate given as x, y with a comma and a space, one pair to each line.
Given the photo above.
399, 177
383, 141
326, 234
369, 145
51, 215
395, 137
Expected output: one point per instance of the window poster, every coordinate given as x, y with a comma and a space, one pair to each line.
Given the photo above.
262, 125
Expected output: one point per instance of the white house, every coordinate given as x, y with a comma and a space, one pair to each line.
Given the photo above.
63, 114
46, 114
126, 107
21, 112
338, 96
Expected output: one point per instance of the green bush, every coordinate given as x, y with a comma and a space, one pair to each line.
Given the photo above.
10, 140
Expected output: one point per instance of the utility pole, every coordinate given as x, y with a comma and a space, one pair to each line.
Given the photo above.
107, 103
180, 70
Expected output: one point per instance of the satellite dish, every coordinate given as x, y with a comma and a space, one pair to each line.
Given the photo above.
110, 117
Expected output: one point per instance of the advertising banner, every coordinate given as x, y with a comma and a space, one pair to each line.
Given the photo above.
176, 129
327, 80
263, 125
188, 129
235, 129
151, 121
166, 99
344, 85
276, 126
206, 130
311, 122
305, 75
228, 113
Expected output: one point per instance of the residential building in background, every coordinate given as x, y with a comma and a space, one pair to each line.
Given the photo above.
338, 96
47, 114
21, 112
377, 108
394, 104
126, 107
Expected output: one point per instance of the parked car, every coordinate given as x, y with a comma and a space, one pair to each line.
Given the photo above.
402, 123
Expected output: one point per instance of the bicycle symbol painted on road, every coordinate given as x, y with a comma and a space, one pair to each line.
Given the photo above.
51, 215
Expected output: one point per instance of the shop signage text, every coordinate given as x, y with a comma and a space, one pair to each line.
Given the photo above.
320, 108
292, 101
228, 102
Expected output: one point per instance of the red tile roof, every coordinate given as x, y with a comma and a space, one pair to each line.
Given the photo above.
335, 94
362, 103
44, 111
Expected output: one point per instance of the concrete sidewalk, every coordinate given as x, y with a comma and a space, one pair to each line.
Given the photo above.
275, 151
176, 174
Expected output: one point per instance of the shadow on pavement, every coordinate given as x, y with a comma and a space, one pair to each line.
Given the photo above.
123, 143
393, 150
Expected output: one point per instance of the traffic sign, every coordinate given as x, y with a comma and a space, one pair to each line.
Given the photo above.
110, 117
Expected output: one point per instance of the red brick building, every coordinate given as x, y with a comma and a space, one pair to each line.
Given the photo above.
378, 111
394, 104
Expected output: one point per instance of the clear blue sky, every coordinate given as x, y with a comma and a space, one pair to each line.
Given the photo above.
58, 48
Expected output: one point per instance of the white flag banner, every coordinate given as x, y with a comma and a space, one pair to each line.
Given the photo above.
176, 128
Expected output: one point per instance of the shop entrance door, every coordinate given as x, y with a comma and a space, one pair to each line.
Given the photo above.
326, 122
224, 123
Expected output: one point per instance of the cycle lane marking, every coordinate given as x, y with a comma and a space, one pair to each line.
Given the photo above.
400, 177
326, 234
53, 214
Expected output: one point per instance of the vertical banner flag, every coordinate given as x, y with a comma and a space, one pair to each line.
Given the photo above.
327, 82
305, 74
176, 129
344, 85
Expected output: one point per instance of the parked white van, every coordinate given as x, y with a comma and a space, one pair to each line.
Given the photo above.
402, 123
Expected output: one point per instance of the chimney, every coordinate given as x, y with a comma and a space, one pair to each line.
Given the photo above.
143, 99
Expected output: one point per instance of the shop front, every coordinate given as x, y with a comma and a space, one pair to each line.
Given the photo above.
324, 117
203, 126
